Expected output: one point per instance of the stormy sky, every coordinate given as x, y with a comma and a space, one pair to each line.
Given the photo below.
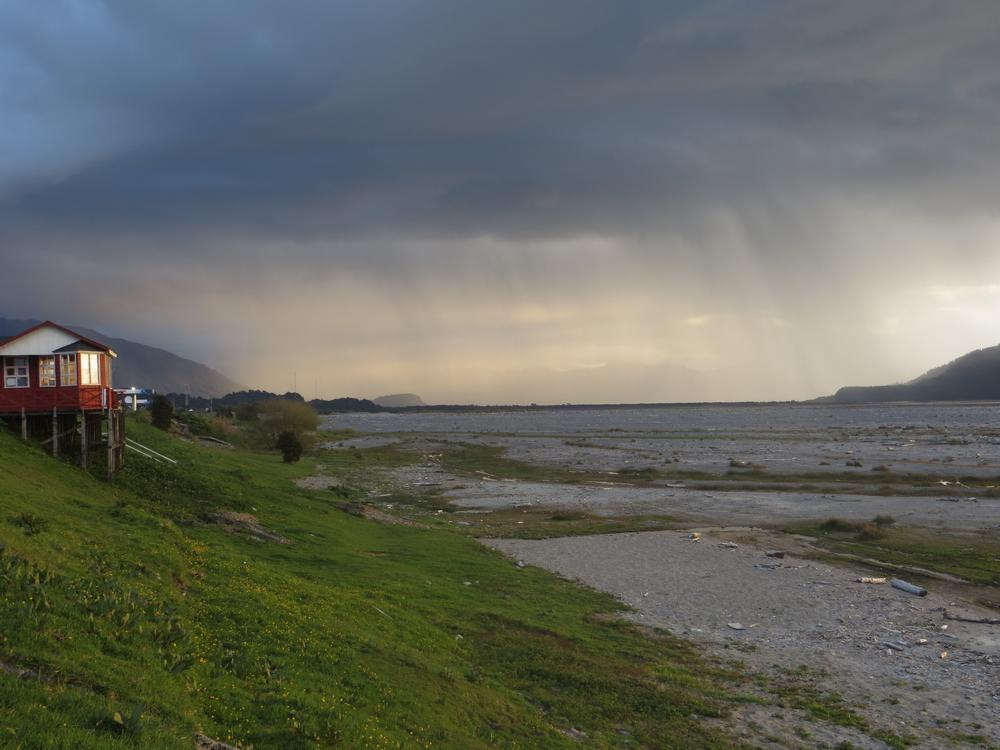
510, 201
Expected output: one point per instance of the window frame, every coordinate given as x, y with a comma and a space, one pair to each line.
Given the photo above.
26, 368
19, 371
73, 360
92, 368
51, 378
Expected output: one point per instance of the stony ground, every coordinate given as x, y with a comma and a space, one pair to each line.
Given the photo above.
744, 507
893, 656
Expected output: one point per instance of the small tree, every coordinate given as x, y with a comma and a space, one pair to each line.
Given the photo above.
278, 416
290, 446
161, 412
246, 413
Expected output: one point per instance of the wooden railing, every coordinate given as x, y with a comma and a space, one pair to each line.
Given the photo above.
62, 398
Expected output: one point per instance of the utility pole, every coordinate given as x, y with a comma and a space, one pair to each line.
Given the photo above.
187, 396
295, 382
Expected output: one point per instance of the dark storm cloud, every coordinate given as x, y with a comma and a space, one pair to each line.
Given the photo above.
796, 194
519, 119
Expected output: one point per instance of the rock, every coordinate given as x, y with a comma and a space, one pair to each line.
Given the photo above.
201, 742
774, 553
736, 625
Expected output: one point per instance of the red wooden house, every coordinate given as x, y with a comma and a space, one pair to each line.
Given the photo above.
52, 371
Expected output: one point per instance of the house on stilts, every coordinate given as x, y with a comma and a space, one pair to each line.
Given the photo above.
56, 388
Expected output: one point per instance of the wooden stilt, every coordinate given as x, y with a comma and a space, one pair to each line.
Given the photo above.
55, 433
111, 445
24, 425
84, 437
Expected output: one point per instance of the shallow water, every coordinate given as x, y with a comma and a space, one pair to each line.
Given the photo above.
954, 417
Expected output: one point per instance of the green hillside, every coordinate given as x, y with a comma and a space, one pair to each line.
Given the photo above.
131, 619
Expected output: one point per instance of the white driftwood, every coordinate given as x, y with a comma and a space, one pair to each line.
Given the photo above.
871, 579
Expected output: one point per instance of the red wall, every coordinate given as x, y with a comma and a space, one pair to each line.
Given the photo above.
64, 398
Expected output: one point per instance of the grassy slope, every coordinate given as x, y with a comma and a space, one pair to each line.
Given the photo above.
972, 555
123, 600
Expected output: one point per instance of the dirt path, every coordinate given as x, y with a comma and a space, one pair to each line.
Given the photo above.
866, 639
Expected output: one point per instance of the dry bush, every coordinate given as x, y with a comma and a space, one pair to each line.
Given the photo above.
870, 532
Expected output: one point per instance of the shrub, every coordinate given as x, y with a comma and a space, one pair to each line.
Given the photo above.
883, 520
246, 413
280, 415
869, 532
568, 515
838, 525
29, 523
290, 447
161, 412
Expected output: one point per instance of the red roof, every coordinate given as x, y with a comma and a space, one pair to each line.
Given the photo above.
64, 329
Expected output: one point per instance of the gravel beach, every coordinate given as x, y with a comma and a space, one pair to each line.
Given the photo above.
877, 646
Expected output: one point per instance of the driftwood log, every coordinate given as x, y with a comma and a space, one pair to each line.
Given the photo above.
971, 618
909, 588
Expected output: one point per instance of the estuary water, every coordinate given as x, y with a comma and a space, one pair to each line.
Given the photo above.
949, 417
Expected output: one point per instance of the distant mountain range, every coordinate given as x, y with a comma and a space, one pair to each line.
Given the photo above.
398, 400
972, 377
146, 366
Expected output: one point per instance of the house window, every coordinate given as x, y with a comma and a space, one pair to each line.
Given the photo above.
46, 371
15, 372
90, 369
67, 369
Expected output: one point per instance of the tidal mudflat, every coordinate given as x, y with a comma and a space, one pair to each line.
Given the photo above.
835, 493
933, 465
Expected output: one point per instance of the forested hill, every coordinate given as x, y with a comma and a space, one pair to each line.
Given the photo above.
972, 377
